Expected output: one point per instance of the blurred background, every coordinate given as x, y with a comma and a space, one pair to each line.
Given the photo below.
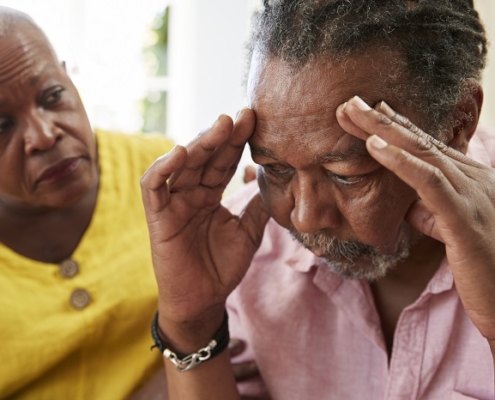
167, 66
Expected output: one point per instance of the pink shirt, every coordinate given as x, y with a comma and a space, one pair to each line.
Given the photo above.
315, 335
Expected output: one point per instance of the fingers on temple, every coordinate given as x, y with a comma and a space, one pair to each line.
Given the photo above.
401, 132
212, 154
200, 151
431, 183
223, 162
348, 124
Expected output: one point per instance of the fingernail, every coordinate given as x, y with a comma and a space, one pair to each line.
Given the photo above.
377, 142
237, 115
359, 103
387, 110
344, 106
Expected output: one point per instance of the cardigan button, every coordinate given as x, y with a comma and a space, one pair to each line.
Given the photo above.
80, 299
69, 268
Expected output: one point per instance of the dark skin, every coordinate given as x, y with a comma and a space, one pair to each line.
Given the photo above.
402, 287
156, 389
48, 145
404, 178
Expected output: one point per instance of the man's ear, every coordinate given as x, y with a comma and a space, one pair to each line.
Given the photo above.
467, 116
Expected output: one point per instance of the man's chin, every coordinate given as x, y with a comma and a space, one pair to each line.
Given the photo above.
354, 259
368, 267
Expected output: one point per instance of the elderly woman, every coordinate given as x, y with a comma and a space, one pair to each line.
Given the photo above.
76, 282
362, 118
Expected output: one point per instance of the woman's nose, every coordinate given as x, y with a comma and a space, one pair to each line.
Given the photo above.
40, 134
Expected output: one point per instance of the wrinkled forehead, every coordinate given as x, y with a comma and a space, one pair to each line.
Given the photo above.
296, 109
23, 33
25, 43
25, 57
323, 83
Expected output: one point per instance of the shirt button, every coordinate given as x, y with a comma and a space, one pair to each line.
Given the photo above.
69, 268
80, 299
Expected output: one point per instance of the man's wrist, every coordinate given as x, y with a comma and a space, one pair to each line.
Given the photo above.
186, 361
189, 334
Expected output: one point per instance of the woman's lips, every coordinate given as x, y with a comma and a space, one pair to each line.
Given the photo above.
59, 171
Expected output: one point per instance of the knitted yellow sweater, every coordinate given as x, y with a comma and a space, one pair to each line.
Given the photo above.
80, 330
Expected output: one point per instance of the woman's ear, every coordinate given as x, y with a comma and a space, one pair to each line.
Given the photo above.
467, 116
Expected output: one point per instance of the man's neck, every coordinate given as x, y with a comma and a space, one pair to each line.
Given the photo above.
403, 285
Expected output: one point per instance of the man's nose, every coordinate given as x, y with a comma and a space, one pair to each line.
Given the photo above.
40, 133
314, 206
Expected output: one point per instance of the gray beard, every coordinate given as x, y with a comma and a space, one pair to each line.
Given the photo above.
348, 251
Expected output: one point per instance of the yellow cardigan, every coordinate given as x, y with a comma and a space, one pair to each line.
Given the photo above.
80, 330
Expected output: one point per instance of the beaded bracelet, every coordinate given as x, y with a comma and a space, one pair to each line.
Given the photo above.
186, 362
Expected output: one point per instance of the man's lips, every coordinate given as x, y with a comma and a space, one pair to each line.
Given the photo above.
59, 171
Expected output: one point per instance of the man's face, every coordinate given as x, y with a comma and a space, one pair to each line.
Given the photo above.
47, 147
320, 182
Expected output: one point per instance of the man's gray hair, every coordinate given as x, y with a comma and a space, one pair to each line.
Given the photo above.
434, 45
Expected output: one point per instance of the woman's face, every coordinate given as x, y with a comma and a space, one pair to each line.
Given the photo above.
47, 147
315, 179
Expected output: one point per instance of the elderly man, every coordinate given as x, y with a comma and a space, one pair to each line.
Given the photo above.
360, 117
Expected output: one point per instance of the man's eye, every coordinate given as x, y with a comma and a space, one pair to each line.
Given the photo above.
5, 125
348, 179
277, 169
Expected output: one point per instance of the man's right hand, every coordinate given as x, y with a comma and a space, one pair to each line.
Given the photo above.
200, 250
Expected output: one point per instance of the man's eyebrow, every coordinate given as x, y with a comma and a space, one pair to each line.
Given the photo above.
353, 153
257, 151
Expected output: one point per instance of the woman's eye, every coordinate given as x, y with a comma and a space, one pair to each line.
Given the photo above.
53, 97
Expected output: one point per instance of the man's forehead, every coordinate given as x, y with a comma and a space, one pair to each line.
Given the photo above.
321, 146
373, 68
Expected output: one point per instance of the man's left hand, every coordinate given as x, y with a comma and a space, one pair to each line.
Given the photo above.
456, 202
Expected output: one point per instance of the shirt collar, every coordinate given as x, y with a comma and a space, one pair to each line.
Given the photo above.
477, 149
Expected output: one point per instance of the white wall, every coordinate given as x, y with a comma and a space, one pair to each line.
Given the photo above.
206, 63
101, 42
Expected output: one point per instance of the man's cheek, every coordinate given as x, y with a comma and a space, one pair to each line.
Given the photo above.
276, 200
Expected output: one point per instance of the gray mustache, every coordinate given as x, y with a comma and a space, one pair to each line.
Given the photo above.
332, 246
